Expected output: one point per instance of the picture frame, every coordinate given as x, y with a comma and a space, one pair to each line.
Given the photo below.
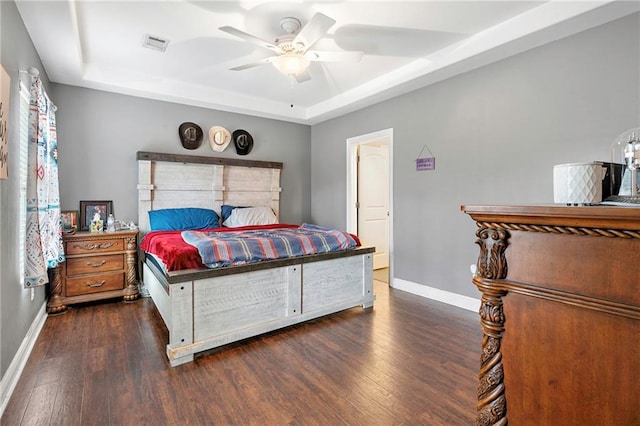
88, 209
69, 219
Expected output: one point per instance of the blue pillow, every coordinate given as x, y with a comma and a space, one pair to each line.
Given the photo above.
226, 210
188, 218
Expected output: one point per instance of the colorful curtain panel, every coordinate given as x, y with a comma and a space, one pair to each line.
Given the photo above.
43, 231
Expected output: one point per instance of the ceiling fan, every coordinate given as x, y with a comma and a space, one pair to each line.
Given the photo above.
292, 49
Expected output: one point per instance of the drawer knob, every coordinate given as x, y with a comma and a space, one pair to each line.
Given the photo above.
95, 285
95, 246
96, 265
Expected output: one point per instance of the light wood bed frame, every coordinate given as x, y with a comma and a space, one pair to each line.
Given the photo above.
204, 309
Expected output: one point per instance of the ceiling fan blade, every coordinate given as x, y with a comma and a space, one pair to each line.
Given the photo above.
315, 29
254, 64
303, 76
337, 56
248, 37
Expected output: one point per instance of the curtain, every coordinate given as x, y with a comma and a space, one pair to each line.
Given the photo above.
43, 248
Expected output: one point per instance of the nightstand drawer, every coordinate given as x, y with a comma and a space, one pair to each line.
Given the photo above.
94, 284
99, 266
88, 265
94, 246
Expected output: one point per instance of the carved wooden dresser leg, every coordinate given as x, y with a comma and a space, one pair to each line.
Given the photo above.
131, 291
492, 265
56, 304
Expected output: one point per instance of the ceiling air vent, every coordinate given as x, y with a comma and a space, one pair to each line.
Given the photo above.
155, 43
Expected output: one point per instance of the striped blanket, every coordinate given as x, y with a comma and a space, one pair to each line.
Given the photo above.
219, 249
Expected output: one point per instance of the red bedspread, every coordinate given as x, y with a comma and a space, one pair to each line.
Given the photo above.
170, 248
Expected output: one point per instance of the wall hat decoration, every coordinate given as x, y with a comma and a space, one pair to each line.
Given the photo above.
190, 135
243, 141
219, 138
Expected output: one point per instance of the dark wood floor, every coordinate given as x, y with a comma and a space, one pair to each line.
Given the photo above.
408, 361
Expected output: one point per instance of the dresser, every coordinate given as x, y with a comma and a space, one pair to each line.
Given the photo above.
560, 313
98, 266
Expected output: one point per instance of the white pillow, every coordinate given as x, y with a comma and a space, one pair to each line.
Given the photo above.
251, 216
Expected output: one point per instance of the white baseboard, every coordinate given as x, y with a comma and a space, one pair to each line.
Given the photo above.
13, 373
454, 299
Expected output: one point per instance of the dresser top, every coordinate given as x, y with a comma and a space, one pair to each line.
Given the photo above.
98, 235
612, 217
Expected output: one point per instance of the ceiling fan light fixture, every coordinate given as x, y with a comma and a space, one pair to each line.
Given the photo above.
291, 64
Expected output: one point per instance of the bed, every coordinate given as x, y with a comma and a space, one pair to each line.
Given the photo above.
205, 308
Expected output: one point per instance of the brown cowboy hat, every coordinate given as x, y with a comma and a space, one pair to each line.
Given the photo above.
190, 135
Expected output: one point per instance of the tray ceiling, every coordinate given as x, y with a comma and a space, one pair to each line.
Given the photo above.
406, 45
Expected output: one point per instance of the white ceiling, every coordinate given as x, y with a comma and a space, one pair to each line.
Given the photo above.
406, 45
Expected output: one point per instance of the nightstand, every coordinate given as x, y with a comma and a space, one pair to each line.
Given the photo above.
98, 266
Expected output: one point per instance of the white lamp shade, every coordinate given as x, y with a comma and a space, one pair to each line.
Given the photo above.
291, 64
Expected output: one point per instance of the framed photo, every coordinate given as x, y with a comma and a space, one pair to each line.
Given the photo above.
88, 210
69, 220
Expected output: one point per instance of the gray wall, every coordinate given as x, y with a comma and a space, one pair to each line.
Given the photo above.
17, 311
99, 134
496, 133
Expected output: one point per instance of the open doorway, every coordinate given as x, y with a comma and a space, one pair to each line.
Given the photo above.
370, 196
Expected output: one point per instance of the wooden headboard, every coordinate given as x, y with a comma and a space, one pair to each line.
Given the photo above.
173, 181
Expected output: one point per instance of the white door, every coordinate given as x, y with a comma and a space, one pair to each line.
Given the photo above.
373, 201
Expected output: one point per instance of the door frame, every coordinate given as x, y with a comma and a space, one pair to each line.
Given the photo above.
386, 138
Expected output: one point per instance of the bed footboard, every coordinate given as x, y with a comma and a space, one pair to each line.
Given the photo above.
205, 313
